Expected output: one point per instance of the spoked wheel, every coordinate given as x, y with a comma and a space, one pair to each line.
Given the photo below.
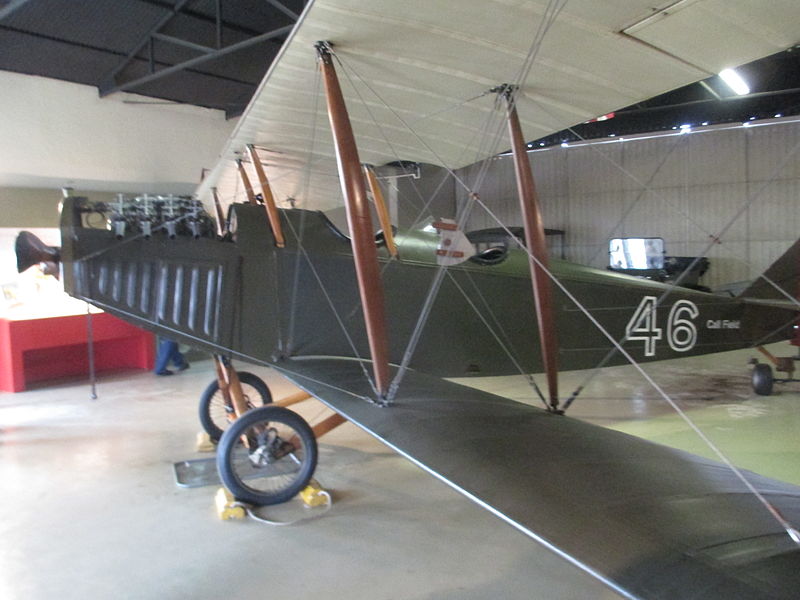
762, 379
214, 412
267, 456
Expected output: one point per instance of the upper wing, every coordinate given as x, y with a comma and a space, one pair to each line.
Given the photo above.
414, 74
649, 521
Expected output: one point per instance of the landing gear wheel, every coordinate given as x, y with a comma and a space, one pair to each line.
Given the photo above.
277, 461
213, 411
762, 379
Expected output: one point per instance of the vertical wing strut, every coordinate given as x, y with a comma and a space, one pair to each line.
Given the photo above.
218, 210
537, 247
266, 195
365, 253
382, 210
248, 188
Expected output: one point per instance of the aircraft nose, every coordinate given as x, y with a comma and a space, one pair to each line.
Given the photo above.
31, 250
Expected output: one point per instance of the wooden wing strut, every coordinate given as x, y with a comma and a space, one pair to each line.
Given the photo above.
266, 195
382, 210
359, 218
248, 188
218, 210
535, 241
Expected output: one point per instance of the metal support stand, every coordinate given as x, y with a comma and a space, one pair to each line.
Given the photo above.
90, 351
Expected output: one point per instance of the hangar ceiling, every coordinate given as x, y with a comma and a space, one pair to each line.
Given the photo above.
774, 83
209, 53
213, 53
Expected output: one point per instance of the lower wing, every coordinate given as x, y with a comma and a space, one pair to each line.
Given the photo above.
647, 520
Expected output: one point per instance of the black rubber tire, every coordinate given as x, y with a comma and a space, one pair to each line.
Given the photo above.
762, 379
213, 412
239, 473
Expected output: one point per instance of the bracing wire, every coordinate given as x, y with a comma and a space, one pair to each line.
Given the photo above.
793, 533
676, 283
645, 189
713, 237
434, 289
330, 303
482, 135
405, 124
505, 346
645, 185
347, 69
439, 275
426, 310
307, 187
554, 7
551, 13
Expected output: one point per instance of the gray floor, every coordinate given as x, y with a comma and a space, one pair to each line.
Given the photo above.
91, 510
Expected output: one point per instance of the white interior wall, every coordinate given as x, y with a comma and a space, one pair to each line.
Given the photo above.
684, 188
55, 133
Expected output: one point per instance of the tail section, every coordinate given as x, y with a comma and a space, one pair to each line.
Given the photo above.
784, 272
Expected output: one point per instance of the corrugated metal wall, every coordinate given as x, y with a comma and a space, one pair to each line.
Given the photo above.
685, 188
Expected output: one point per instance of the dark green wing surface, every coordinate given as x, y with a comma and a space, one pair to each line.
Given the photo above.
650, 521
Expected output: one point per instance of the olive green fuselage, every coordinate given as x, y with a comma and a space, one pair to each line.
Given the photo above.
244, 297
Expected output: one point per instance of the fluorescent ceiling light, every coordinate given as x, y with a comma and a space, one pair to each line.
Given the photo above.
735, 82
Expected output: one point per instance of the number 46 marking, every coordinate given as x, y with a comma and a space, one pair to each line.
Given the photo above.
681, 331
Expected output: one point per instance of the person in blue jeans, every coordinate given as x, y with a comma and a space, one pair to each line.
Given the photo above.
168, 352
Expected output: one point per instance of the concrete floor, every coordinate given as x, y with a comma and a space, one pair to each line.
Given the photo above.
90, 508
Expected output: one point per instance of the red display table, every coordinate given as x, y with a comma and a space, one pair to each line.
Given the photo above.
37, 349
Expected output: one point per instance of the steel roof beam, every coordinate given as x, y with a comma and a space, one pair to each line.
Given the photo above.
185, 43
111, 87
209, 18
284, 9
108, 80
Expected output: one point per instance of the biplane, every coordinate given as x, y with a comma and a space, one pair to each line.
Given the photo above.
371, 322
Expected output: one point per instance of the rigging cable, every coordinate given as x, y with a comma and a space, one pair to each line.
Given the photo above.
347, 68
674, 284
331, 304
440, 272
307, 186
793, 533
426, 309
422, 319
683, 213
645, 188
509, 351
545, 24
687, 270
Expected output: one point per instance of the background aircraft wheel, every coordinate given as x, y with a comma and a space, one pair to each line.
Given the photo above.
214, 413
277, 461
762, 379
